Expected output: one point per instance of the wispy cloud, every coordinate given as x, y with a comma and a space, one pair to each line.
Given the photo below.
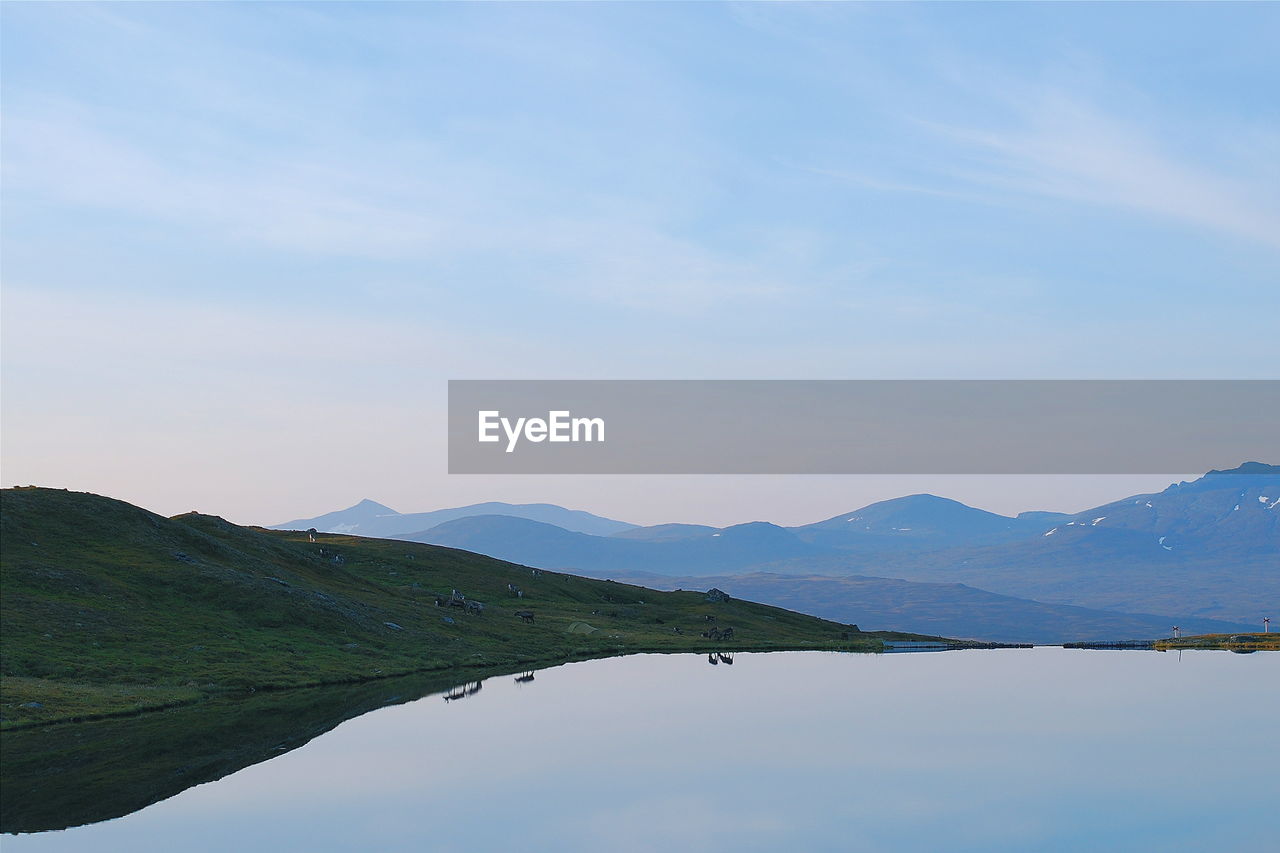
279, 202
390, 202
1066, 149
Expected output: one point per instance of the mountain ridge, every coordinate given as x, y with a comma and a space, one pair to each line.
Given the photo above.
1205, 548
365, 519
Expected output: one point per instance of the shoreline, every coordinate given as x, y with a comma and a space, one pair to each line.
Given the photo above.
496, 669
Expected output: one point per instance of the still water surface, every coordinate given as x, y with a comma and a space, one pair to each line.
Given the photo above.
1039, 749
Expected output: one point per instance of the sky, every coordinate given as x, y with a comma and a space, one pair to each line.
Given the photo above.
246, 245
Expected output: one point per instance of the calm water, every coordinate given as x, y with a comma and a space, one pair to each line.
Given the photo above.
1041, 749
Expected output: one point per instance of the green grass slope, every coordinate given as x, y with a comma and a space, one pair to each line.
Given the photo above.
108, 608
1245, 642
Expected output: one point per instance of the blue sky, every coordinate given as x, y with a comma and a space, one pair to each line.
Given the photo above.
245, 245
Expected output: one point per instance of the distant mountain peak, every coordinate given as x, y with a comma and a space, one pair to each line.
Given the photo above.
919, 506
1250, 469
367, 505
1242, 476
755, 526
918, 499
370, 518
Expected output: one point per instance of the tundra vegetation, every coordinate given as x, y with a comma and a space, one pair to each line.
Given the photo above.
110, 609
1245, 642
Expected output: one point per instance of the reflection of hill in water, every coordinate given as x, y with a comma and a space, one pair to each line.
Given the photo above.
60, 776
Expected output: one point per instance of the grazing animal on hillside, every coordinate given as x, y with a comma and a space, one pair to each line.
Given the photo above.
526, 615
311, 534
475, 607
726, 634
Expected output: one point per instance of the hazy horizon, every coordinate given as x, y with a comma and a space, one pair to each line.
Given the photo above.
820, 499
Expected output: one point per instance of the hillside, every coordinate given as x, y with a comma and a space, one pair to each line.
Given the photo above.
108, 607
953, 609
1240, 643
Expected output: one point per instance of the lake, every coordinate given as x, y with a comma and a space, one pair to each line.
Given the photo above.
1023, 749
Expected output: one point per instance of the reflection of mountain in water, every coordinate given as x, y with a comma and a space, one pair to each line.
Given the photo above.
60, 776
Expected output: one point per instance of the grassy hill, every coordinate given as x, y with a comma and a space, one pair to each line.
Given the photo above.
953, 609
1248, 642
108, 608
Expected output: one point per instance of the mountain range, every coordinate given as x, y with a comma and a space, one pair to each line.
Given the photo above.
1208, 549
372, 519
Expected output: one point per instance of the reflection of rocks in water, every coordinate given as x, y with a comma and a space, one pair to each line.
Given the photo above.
70, 774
